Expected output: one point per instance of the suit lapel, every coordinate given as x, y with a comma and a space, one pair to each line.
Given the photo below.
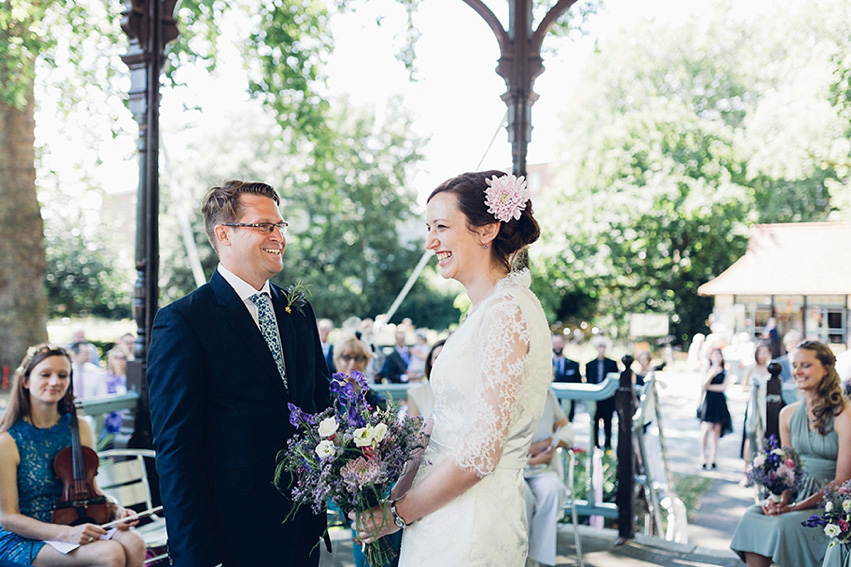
286, 329
233, 310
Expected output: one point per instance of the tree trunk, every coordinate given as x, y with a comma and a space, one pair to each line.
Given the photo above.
23, 300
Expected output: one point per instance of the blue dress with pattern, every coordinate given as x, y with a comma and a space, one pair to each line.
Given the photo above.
38, 485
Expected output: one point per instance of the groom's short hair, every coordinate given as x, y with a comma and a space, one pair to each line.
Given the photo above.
222, 204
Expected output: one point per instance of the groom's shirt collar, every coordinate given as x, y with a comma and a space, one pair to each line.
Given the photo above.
244, 290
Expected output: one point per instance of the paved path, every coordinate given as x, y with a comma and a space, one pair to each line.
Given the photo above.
712, 524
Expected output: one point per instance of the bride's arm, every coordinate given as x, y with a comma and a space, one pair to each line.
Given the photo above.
502, 352
403, 485
443, 484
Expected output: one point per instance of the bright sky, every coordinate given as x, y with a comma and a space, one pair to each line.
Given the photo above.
457, 101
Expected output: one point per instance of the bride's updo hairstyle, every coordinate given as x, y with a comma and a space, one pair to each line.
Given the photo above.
514, 234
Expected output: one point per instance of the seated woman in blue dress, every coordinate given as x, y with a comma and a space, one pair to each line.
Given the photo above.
34, 429
819, 428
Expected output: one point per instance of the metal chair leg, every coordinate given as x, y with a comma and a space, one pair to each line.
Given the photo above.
578, 541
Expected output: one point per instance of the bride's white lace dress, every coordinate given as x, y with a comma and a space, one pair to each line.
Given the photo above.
488, 399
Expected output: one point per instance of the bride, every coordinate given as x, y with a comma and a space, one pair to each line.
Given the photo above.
466, 504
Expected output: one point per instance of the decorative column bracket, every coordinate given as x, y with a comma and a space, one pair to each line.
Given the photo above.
520, 63
150, 26
145, 57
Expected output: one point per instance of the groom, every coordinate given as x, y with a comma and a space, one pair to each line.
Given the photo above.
224, 362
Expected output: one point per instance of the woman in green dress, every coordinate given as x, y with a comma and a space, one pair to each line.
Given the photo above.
819, 428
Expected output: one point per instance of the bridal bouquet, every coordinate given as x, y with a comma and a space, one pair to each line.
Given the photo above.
836, 517
351, 454
776, 469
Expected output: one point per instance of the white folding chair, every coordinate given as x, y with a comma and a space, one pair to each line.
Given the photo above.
123, 476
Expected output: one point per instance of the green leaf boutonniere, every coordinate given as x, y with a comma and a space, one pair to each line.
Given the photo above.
296, 296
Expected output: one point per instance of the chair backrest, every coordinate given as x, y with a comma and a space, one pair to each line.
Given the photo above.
123, 476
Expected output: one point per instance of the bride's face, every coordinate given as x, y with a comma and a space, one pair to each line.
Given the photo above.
459, 250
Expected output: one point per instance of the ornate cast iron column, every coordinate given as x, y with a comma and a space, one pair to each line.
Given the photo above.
520, 63
150, 26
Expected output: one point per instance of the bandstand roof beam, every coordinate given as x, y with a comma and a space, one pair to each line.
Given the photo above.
520, 63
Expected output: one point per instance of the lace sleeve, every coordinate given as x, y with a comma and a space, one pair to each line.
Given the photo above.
501, 350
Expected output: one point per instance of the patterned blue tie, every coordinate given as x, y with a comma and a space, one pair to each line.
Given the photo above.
270, 330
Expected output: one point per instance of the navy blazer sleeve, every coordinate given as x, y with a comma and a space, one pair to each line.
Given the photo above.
394, 368
175, 381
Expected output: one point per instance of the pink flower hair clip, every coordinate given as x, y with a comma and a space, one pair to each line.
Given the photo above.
506, 196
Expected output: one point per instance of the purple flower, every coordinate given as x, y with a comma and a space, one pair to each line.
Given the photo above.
295, 414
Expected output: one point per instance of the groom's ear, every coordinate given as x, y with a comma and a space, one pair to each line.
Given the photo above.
222, 236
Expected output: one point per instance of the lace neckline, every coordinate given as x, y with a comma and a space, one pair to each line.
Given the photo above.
514, 279
517, 278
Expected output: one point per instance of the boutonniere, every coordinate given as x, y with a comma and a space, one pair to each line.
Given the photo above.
296, 296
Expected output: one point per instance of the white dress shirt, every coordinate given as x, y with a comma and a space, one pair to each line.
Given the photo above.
245, 290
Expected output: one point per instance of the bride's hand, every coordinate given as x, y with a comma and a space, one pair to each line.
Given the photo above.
373, 524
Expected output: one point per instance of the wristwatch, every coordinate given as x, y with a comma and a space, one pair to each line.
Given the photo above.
397, 519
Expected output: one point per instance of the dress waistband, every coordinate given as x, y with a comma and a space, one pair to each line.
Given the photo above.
504, 463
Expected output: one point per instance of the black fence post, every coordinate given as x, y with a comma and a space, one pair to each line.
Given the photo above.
625, 404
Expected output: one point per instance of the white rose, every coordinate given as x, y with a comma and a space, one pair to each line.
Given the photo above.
828, 506
379, 431
758, 461
325, 449
328, 427
362, 436
832, 530
777, 452
846, 505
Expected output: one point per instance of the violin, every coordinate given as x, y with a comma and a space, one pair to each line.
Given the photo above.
76, 466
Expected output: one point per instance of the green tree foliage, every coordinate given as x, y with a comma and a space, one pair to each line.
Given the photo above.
82, 278
667, 162
24, 37
347, 212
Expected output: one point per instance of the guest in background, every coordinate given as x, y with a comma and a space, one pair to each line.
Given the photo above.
127, 343
116, 383
396, 364
714, 416
596, 372
772, 337
754, 382
565, 370
419, 352
790, 342
325, 327
420, 395
544, 479
353, 354
89, 379
78, 335
643, 359
366, 333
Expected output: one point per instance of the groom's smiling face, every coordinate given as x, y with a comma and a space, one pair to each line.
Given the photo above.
248, 252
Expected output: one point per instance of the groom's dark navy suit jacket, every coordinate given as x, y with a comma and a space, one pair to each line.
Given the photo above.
219, 415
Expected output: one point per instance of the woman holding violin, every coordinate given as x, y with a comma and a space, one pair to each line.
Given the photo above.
36, 428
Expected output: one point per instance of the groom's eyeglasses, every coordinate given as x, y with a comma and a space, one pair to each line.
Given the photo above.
264, 227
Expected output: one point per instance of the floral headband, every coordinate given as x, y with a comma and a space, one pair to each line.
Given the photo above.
506, 196
33, 351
